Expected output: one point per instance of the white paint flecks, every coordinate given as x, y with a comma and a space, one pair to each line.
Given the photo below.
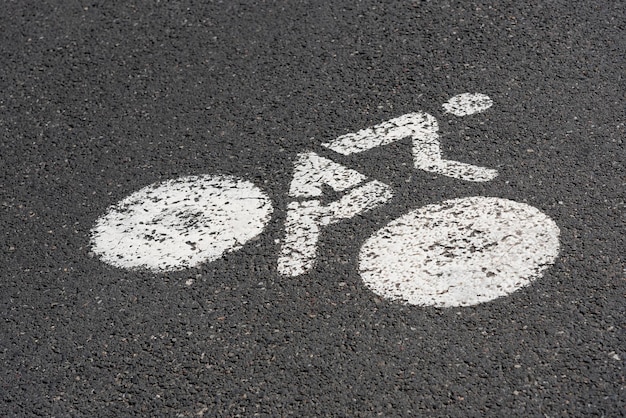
459, 253
422, 128
311, 171
468, 103
181, 223
305, 219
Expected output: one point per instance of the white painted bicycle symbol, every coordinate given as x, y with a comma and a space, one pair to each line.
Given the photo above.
458, 252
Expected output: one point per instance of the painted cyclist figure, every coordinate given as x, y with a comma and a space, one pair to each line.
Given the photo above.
458, 252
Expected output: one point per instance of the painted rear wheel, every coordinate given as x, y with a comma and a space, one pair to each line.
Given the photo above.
181, 223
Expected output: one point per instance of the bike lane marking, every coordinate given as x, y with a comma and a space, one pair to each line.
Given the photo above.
181, 223
460, 252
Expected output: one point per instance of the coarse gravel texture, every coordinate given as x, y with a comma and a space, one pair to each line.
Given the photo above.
101, 99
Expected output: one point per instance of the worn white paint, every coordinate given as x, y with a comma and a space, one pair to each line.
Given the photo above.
312, 171
412, 125
460, 252
306, 218
457, 253
181, 223
467, 104
427, 157
422, 128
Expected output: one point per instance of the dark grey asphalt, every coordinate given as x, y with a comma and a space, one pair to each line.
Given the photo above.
99, 99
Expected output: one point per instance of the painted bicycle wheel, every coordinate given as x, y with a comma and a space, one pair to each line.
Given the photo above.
181, 223
460, 252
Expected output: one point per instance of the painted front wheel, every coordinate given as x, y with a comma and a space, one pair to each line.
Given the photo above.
459, 252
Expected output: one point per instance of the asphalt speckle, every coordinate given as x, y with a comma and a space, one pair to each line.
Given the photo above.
99, 100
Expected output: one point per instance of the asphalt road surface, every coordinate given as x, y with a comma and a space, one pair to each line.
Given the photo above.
462, 257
